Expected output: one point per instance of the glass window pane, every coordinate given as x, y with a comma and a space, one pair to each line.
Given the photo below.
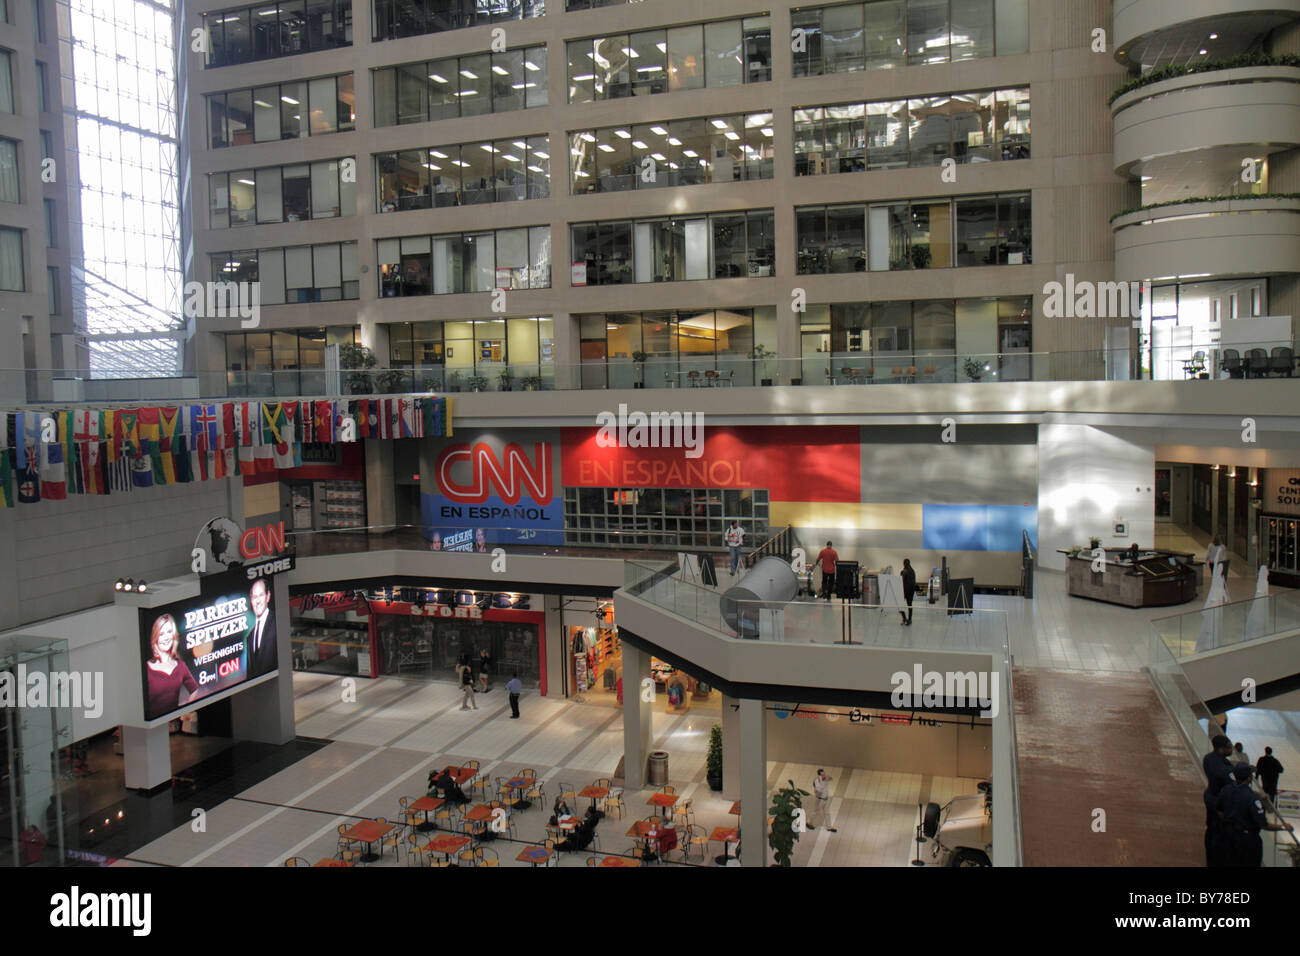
536, 93
347, 196
412, 93
512, 259
481, 259
842, 38
972, 127
475, 85
239, 116
218, 201
476, 162
345, 104
298, 274
324, 100
270, 202
293, 110
685, 58
845, 138
977, 230
613, 70
217, 135
932, 234
649, 63
810, 239
885, 34
538, 158
760, 153
1015, 229
930, 135
809, 142
1011, 123
972, 29
758, 49
846, 239
761, 252
1012, 19
887, 140
443, 86
582, 71
724, 65
927, 31
729, 260
266, 114
508, 81
271, 276
808, 61
243, 199
328, 273
296, 187
385, 94
539, 253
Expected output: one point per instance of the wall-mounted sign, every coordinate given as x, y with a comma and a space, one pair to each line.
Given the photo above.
224, 544
1282, 490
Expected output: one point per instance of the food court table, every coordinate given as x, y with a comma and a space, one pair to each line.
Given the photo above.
447, 844
330, 861
663, 801
644, 834
368, 832
619, 861
595, 793
482, 813
521, 783
726, 836
426, 805
536, 855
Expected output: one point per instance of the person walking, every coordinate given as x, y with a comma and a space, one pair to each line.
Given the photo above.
514, 688
1215, 553
467, 701
909, 590
827, 558
1269, 769
822, 794
1238, 755
484, 668
735, 537
1217, 776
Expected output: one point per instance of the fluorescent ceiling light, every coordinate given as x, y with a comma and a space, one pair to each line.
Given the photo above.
437, 79
457, 162
622, 134
499, 71
581, 173
537, 169
721, 124
690, 152
469, 74
519, 144
658, 157
246, 182
587, 137
290, 100
509, 158
467, 92
584, 77
674, 141
487, 147
639, 145
605, 148
538, 152
434, 152
265, 106
731, 134
658, 130
650, 69
663, 47
431, 166
767, 131
530, 65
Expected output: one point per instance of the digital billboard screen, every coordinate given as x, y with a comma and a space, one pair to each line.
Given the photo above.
194, 648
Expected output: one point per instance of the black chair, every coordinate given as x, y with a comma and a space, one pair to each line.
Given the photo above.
1281, 361
1256, 363
1230, 362
1195, 365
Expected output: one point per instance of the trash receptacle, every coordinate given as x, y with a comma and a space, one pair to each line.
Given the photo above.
658, 768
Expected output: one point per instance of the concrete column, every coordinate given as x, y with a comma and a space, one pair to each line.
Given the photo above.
555, 639
753, 782
381, 501
730, 748
265, 713
146, 756
1214, 507
638, 718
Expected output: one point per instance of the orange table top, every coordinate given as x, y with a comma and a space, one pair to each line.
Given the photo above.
619, 861
480, 812
461, 774
663, 799
594, 792
447, 843
725, 834
368, 831
533, 854
330, 861
640, 830
518, 783
570, 823
428, 803
735, 808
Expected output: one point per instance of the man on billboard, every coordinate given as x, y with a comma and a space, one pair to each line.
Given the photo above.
262, 656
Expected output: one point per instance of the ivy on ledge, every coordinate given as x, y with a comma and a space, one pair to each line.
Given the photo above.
1209, 66
1183, 202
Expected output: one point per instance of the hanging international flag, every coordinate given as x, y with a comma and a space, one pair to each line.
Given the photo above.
324, 412
203, 427
289, 430
6, 436
128, 432
28, 433
142, 472
147, 424
247, 465
273, 420
6, 480
119, 475
28, 481
363, 418
229, 467
227, 425
93, 455
53, 474
73, 466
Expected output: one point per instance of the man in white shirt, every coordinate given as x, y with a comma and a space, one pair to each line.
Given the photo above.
735, 538
822, 793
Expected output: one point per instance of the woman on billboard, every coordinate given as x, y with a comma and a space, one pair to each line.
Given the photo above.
170, 682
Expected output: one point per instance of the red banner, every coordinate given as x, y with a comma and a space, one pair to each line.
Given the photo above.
794, 463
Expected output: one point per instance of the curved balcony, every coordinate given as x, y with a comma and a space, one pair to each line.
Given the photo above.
1150, 31
1218, 237
1249, 111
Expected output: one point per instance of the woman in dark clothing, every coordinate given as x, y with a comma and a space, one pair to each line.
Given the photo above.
484, 668
909, 590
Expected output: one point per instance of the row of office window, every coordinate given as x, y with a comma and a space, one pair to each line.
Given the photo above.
674, 518
685, 152
933, 340
247, 197
887, 34
465, 262
394, 19
321, 273
268, 114
714, 246
722, 53
6, 83
919, 234
283, 362
9, 186
270, 30
11, 260
444, 354
460, 86
463, 175
921, 131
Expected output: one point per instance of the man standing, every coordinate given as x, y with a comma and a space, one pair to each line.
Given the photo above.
1217, 776
261, 650
822, 793
514, 689
909, 590
827, 559
735, 538
1243, 817
1269, 769
467, 701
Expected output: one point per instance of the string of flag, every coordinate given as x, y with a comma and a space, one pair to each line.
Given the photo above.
51, 453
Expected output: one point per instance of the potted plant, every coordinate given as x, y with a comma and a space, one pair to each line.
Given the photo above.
639, 357
391, 380
1094, 543
357, 360
783, 836
974, 369
433, 385
713, 760
761, 353
477, 383
507, 379
531, 383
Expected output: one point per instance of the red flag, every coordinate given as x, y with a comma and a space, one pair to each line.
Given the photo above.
363, 418
227, 439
